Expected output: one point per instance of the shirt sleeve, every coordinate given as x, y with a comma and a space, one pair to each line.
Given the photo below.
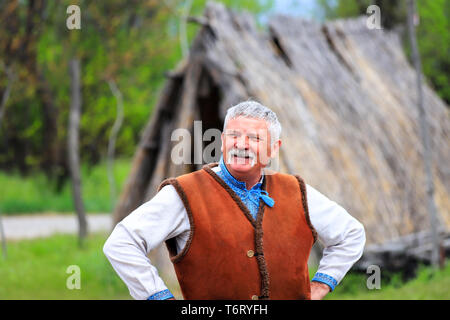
163, 217
341, 235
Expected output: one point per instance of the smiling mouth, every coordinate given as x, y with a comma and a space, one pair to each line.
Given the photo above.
242, 160
244, 157
241, 157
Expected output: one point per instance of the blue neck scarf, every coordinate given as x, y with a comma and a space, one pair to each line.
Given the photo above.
249, 197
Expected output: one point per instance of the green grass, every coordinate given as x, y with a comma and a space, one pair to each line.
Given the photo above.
34, 193
36, 269
428, 284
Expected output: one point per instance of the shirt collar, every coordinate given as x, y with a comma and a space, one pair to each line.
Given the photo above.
235, 182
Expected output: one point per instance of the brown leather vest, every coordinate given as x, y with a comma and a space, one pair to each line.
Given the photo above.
229, 255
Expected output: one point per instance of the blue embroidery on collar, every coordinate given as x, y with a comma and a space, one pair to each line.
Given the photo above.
249, 197
232, 181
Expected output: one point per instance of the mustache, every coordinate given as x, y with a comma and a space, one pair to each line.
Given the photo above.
241, 153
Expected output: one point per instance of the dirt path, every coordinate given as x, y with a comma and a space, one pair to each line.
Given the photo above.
44, 225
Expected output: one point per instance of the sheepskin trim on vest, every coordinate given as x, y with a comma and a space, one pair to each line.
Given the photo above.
257, 224
262, 265
305, 205
260, 259
170, 243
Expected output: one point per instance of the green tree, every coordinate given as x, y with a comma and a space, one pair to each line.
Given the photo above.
133, 43
433, 35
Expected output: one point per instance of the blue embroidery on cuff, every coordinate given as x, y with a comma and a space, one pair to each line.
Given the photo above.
162, 295
324, 278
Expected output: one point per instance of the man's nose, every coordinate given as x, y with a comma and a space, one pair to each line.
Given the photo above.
242, 142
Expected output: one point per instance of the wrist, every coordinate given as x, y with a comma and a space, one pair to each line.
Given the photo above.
321, 286
319, 290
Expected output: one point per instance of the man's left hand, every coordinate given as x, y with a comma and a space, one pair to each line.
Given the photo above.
319, 290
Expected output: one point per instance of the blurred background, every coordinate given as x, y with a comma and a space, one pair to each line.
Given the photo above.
74, 105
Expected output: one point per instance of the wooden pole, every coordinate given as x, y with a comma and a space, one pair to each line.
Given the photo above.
7, 92
3, 102
425, 136
74, 163
113, 137
182, 32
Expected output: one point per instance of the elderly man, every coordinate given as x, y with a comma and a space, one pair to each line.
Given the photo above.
235, 230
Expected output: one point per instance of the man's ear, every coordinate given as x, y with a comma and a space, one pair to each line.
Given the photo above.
275, 148
221, 146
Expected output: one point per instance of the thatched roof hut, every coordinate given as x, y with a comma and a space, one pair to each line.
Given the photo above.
346, 97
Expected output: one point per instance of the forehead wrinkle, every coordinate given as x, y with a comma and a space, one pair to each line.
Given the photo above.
253, 126
244, 129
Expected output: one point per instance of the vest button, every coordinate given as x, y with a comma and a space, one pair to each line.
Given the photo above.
250, 253
255, 297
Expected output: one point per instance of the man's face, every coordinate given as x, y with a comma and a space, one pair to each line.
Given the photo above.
246, 145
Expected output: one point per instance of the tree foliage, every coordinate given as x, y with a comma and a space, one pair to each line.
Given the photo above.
130, 42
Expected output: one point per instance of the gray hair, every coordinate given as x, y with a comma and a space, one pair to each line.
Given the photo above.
255, 110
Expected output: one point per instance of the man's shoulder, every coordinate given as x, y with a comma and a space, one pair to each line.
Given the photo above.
280, 176
174, 181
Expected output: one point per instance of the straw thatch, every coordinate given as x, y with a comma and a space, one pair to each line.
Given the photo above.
346, 97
